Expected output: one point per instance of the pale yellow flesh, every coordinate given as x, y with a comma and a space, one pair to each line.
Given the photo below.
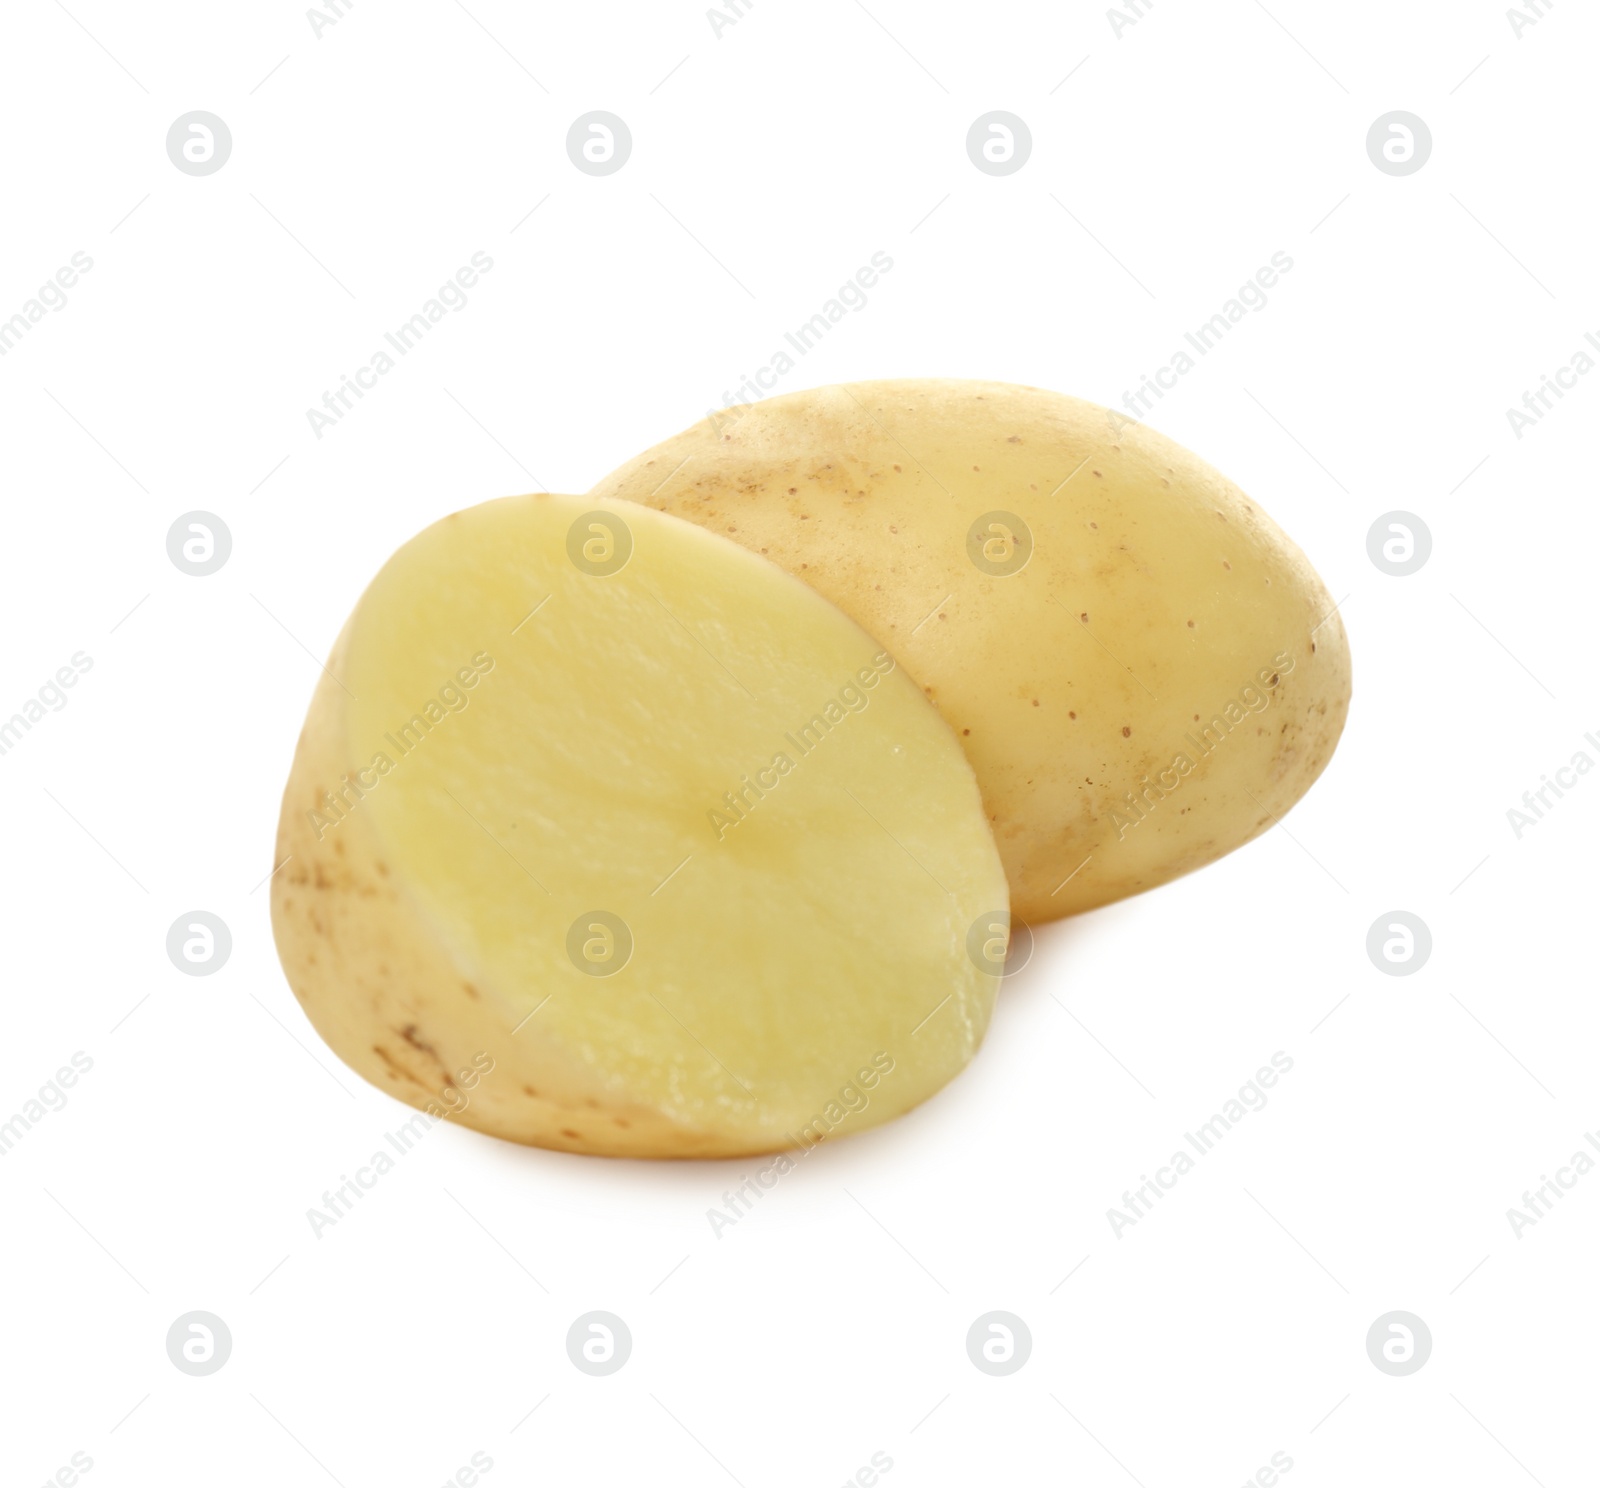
1154, 596
799, 966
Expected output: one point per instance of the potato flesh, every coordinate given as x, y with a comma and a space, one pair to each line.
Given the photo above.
786, 945
1154, 594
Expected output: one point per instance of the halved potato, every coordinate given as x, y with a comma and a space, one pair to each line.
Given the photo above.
1144, 670
605, 834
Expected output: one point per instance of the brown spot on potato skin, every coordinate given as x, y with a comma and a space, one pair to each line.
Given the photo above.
399, 1071
409, 1034
423, 1047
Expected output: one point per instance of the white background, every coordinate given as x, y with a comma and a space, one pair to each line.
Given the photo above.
768, 164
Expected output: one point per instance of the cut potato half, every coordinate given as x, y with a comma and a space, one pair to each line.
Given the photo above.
605, 834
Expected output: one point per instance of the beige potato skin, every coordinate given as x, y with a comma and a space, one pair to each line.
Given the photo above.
380, 990
1155, 592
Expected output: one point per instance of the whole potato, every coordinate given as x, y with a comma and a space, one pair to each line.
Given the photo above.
1144, 670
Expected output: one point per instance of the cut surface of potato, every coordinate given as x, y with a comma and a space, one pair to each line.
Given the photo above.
605, 834
1143, 669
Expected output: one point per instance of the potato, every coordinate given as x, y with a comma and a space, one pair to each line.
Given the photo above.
607, 835
1144, 670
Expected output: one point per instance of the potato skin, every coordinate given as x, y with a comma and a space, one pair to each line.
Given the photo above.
1162, 679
